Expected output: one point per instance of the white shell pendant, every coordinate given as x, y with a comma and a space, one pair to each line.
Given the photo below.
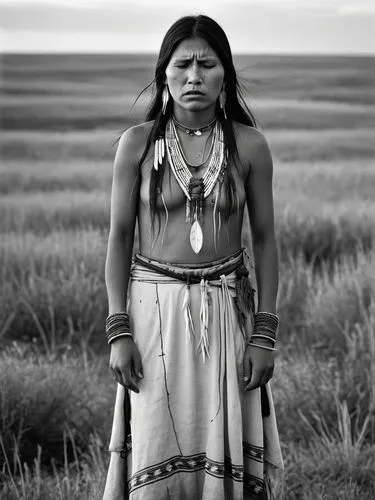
196, 237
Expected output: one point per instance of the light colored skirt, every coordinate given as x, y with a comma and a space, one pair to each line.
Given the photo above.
195, 433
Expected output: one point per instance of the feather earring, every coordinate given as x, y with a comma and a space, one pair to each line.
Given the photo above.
165, 99
223, 100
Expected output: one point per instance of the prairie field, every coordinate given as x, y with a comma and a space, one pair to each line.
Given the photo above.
61, 117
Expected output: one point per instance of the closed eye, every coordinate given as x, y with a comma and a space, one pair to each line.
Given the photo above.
186, 63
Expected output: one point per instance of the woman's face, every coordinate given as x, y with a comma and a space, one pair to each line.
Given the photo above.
194, 75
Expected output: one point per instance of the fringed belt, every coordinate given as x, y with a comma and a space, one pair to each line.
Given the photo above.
194, 273
215, 273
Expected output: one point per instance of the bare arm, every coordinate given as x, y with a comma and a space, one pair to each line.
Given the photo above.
124, 200
261, 215
125, 360
259, 362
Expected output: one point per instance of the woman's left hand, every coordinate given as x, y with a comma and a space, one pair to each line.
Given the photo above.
258, 365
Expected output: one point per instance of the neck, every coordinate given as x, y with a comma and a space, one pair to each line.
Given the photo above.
194, 119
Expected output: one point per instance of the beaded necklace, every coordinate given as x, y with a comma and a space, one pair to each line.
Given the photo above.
204, 160
193, 131
196, 189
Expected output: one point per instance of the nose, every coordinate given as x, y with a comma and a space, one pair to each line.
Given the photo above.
194, 74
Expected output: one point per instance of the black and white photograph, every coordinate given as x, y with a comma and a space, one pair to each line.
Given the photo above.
187, 234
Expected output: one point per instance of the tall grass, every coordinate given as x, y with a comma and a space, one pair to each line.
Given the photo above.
26, 176
46, 212
53, 288
59, 147
325, 379
82, 478
43, 396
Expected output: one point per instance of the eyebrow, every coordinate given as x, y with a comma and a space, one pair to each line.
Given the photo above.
203, 58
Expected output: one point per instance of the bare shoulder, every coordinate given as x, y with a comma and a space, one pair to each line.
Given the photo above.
253, 147
137, 132
132, 143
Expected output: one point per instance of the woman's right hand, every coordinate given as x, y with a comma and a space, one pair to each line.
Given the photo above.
125, 363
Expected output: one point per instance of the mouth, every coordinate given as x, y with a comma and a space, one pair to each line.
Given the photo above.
193, 93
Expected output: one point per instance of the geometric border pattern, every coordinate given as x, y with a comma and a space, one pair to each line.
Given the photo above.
199, 461
254, 486
253, 452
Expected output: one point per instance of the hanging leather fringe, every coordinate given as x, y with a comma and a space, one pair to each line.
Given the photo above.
189, 325
244, 296
204, 341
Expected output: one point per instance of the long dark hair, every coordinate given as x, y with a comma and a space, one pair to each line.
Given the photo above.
235, 107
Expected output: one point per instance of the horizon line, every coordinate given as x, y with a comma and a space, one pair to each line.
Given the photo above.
150, 53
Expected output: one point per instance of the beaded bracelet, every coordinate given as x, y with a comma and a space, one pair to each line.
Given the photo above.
265, 326
117, 325
263, 346
259, 336
113, 337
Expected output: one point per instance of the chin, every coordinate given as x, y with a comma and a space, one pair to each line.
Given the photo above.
196, 106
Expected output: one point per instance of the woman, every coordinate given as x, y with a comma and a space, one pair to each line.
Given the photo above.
194, 417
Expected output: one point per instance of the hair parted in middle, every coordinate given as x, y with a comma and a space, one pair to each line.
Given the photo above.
235, 107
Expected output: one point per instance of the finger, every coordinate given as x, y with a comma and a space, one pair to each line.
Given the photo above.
118, 376
270, 373
254, 381
137, 365
264, 378
246, 369
130, 381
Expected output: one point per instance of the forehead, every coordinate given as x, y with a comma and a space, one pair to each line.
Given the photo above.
193, 47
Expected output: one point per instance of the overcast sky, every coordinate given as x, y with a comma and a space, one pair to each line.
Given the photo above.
252, 26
